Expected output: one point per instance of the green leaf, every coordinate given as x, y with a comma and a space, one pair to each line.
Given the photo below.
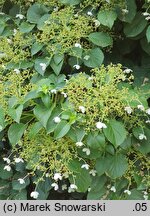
101, 39
36, 47
115, 132
43, 188
38, 67
97, 188
16, 113
135, 195
83, 179
35, 12
96, 141
144, 146
41, 21
57, 63
117, 165
70, 2
95, 58
145, 45
4, 174
62, 129
148, 34
2, 119
76, 134
15, 132
26, 27
2, 26
4, 187
42, 113
107, 17
136, 27
35, 129
102, 165
22, 195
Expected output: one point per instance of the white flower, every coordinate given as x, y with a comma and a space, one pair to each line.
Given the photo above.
55, 185
17, 71
97, 23
79, 144
93, 172
55, 9
21, 181
128, 109
7, 160
146, 14
76, 66
140, 107
125, 11
64, 187
15, 32
87, 151
89, 189
72, 188
86, 57
148, 111
128, 192
86, 166
90, 78
18, 160
148, 121
113, 189
100, 125
127, 71
34, 194
53, 91
57, 119
57, 176
147, 18
145, 197
77, 45
82, 109
64, 94
47, 175
142, 136
9, 41
8, 168
43, 66
20, 16
89, 13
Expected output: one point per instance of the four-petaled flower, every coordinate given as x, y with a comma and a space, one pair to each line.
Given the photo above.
127, 70
7, 160
89, 13
100, 125
140, 107
142, 136
77, 45
76, 66
21, 181
128, 109
113, 189
82, 109
72, 188
79, 144
93, 172
57, 176
128, 192
20, 16
86, 166
17, 71
34, 194
148, 111
53, 91
87, 151
57, 119
43, 66
18, 160
55, 185
8, 168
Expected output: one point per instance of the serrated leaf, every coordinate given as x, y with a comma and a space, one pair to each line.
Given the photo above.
101, 39
107, 17
15, 132
115, 132
117, 165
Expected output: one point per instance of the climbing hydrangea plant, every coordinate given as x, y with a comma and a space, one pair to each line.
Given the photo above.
74, 100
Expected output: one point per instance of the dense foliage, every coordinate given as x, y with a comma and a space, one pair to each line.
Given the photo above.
74, 99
